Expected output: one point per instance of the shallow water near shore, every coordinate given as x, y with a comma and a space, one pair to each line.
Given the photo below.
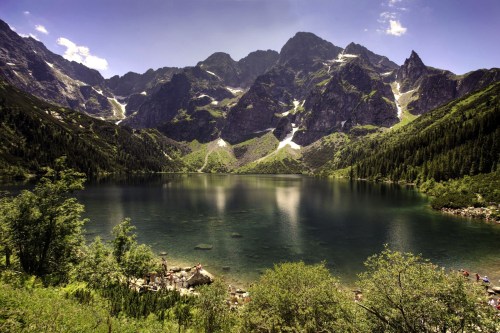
254, 221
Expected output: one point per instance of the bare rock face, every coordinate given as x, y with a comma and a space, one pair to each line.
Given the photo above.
255, 64
412, 70
133, 83
436, 87
379, 62
258, 109
28, 65
313, 84
304, 49
355, 95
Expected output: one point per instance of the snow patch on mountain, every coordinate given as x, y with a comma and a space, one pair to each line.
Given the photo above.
397, 96
166, 155
212, 73
221, 143
266, 130
234, 91
288, 139
341, 58
123, 108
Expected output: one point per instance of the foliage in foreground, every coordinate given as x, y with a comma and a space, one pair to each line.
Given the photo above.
402, 292
405, 293
43, 227
294, 297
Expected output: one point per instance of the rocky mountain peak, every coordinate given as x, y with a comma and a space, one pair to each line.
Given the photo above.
218, 59
256, 63
414, 59
222, 65
305, 48
353, 48
380, 62
412, 69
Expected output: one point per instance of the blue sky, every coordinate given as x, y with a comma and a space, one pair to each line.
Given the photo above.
117, 36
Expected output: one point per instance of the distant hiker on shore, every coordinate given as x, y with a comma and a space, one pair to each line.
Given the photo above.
164, 266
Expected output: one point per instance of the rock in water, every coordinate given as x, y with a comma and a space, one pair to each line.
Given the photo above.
199, 277
236, 235
203, 247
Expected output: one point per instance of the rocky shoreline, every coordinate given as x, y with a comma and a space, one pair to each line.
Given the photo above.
490, 214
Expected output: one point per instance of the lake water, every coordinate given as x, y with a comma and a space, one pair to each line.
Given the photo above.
286, 218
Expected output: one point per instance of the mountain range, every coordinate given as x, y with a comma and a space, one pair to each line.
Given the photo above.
287, 111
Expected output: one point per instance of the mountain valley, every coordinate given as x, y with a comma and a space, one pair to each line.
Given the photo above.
312, 108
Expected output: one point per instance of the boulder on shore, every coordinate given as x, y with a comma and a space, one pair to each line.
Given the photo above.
199, 277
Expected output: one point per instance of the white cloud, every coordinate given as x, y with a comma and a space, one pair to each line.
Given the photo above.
390, 21
385, 17
82, 55
395, 28
41, 29
393, 3
26, 12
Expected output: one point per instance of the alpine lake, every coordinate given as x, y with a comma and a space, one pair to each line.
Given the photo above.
237, 226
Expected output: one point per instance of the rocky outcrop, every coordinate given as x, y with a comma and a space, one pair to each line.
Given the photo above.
30, 66
164, 105
259, 109
412, 70
133, 83
222, 65
199, 277
381, 63
186, 108
434, 87
304, 49
355, 95
255, 64
240, 73
491, 213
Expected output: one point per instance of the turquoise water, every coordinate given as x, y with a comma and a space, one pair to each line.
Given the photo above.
286, 218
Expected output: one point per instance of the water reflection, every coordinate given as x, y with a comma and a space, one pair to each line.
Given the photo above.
285, 218
287, 201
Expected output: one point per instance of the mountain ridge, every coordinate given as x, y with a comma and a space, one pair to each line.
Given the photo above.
308, 94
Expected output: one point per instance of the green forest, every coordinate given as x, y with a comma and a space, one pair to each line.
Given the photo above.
51, 281
451, 153
34, 133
